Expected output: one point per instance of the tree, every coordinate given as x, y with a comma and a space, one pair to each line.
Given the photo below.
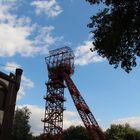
40, 137
122, 132
116, 32
21, 127
75, 133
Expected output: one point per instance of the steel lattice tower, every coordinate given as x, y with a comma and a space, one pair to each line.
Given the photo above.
60, 64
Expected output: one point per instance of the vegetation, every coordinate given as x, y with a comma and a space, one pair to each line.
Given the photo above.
122, 132
21, 127
21, 130
115, 132
40, 137
116, 32
75, 133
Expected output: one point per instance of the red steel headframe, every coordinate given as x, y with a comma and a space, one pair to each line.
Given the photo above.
60, 64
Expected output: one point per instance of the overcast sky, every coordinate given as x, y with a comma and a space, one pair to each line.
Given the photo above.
30, 28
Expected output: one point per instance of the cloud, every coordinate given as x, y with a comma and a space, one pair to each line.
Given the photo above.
133, 121
9, 2
49, 7
84, 56
44, 37
26, 83
11, 66
70, 118
16, 34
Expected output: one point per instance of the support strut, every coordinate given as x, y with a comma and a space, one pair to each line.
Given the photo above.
86, 115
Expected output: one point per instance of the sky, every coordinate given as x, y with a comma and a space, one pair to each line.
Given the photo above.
29, 29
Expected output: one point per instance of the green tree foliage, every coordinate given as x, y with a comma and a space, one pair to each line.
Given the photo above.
115, 132
122, 132
21, 127
40, 137
116, 32
75, 133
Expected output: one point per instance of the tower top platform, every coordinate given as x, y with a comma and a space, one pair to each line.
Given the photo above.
61, 59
